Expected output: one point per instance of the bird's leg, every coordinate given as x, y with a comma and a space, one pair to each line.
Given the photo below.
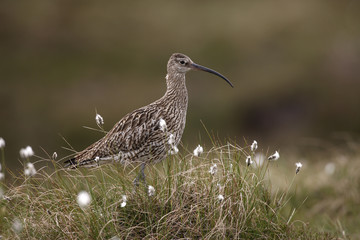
141, 175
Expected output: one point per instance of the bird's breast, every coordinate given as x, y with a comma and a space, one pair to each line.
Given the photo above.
176, 118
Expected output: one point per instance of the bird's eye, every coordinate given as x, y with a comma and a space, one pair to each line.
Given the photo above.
182, 62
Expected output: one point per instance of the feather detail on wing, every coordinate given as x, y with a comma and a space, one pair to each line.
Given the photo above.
131, 133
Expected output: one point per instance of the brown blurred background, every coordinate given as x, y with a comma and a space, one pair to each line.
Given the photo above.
295, 66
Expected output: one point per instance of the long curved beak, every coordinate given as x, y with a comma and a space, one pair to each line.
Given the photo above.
205, 69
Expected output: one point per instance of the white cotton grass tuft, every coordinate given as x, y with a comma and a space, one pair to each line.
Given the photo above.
2, 143
330, 168
171, 140
83, 199
162, 125
220, 197
174, 150
99, 120
17, 225
249, 161
198, 151
274, 157
54, 156
151, 191
26, 152
124, 199
97, 160
30, 170
298, 167
213, 169
254, 146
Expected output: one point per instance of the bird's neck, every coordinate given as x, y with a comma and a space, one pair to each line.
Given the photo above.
176, 88
176, 83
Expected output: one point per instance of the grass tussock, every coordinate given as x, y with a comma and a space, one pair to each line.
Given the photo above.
232, 201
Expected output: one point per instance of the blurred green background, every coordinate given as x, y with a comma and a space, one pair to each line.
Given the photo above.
295, 66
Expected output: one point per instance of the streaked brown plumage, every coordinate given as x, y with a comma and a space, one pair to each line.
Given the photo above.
138, 137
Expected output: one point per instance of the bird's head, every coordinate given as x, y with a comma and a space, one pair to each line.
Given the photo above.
180, 63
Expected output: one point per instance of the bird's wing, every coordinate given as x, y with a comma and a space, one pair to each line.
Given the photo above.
133, 130
129, 134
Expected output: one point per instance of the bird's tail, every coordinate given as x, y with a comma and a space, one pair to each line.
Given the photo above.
75, 163
71, 163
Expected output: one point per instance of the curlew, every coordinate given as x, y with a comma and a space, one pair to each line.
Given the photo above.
148, 134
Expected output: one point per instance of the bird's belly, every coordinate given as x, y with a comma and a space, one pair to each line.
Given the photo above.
153, 152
